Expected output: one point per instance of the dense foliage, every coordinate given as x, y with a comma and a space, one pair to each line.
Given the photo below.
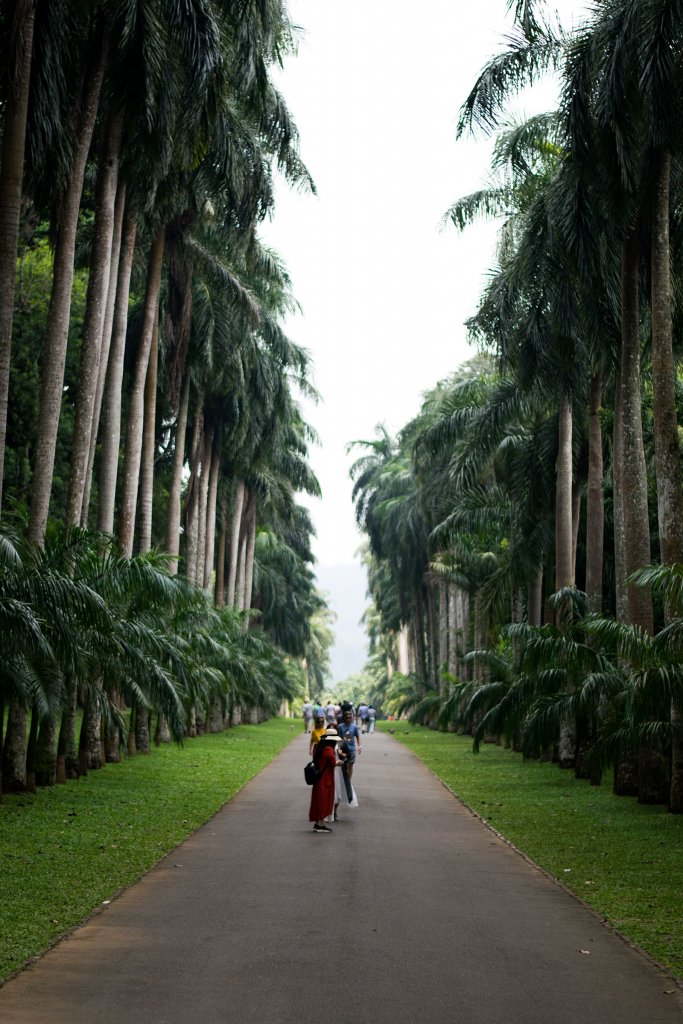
525, 530
154, 559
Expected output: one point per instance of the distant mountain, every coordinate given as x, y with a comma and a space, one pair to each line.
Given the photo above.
346, 587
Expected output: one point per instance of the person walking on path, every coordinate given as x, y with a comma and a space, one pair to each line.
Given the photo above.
372, 715
317, 733
363, 717
350, 736
307, 713
323, 794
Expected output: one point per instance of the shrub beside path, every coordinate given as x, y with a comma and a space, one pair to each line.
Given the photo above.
412, 910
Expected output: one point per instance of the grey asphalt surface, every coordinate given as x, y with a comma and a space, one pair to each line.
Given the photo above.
411, 911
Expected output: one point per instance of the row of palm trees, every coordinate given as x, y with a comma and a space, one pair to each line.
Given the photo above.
140, 139
526, 501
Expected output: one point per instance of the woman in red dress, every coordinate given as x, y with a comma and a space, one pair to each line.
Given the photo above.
322, 796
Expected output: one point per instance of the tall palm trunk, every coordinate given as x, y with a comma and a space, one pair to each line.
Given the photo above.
443, 632
595, 502
95, 309
251, 546
535, 598
11, 179
564, 576
111, 402
454, 609
131, 467
219, 597
14, 749
107, 330
418, 636
192, 497
211, 513
432, 636
173, 523
57, 330
149, 444
667, 447
240, 589
203, 506
235, 542
618, 503
636, 520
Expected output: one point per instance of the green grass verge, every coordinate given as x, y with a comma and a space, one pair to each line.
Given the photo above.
66, 849
623, 859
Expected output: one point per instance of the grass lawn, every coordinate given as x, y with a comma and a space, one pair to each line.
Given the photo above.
623, 859
66, 849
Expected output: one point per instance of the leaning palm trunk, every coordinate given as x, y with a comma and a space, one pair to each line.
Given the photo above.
56, 335
234, 542
173, 523
595, 501
131, 468
95, 309
11, 178
667, 448
148, 445
111, 403
107, 330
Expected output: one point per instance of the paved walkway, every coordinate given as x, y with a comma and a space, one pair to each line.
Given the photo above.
412, 911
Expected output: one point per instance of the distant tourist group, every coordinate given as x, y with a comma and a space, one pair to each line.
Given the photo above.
335, 743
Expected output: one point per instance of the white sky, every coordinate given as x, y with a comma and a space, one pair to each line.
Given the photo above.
375, 91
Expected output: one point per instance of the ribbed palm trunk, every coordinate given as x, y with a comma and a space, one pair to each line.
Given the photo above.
11, 179
173, 522
235, 542
595, 501
95, 310
107, 330
57, 330
136, 407
149, 445
667, 447
211, 514
111, 402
